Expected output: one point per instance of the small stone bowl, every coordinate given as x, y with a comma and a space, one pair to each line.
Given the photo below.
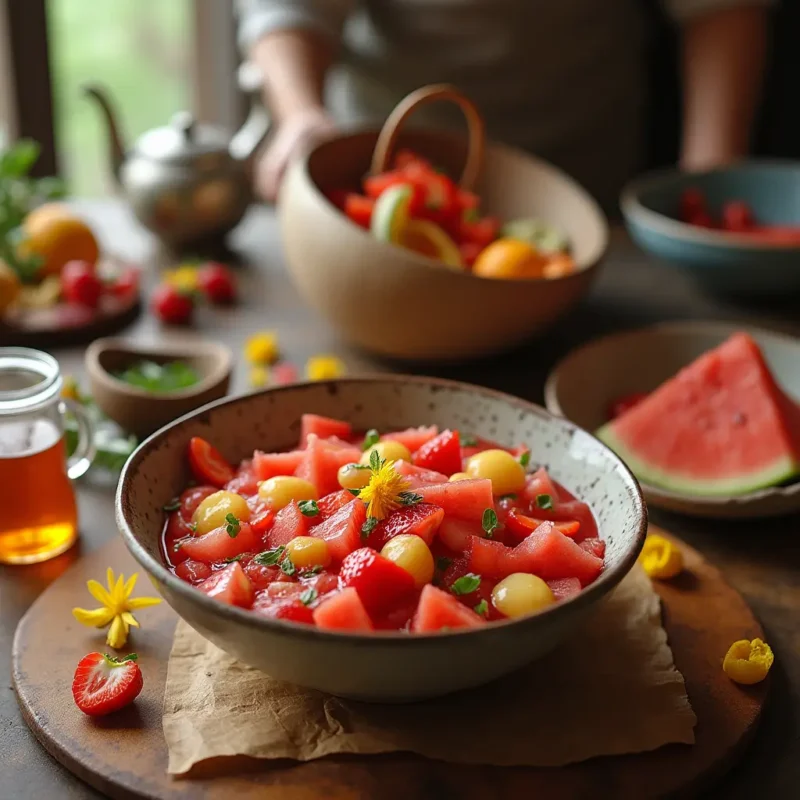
583, 385
141, 412
380, 666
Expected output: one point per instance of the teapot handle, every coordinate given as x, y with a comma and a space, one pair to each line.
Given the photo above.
248, 138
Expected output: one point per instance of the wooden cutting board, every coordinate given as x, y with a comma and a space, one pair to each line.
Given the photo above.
125, 755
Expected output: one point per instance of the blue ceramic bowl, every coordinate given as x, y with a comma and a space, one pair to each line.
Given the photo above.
725, 262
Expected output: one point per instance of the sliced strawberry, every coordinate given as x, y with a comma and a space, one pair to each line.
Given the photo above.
289, 522
219, 545
422, 520
342, 530
244, 483
439, 609
193, 572
229, 585
261, 576
261, 517
380, 583
343, 611
522, 526
208, 464
191, 498
441, 454
103, 684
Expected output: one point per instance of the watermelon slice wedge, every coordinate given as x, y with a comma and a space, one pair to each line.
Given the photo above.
721, 426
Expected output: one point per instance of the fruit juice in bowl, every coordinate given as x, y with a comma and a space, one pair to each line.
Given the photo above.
39, 519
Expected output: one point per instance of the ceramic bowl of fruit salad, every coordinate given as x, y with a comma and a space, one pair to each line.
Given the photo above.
387, 538
735, 229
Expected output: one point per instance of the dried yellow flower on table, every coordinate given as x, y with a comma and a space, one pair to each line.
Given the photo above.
324, 368
660, 558
116, 607
259, 376
748, 662
262, 348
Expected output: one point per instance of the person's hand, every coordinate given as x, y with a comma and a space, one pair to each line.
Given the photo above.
295, 136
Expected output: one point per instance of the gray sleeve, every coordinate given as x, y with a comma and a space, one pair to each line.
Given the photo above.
259, 17
683, 10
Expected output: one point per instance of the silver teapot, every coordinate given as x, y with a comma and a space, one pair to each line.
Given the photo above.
187, 182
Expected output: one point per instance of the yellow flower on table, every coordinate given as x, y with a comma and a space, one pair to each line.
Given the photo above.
262, 348
387, 489
116, 607
183, 278
324, 368
259, 376
660, 558
748, 662
70, 389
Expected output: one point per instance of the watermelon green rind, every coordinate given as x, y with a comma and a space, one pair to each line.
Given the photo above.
390, 213
782, 469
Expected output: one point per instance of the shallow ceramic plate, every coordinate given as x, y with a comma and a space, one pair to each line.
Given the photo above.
384, 666
589, 379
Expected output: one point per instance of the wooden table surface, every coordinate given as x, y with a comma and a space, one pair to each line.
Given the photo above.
761, 559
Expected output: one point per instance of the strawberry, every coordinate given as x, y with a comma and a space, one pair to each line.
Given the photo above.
422, 520
441, 454
193, 572
103, 684
380, 584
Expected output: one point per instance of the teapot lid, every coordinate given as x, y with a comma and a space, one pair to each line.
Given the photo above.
182, 140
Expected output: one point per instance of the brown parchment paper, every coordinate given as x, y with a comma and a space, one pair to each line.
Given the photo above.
610, 689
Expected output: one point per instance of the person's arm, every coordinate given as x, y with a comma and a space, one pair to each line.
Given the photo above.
724, 53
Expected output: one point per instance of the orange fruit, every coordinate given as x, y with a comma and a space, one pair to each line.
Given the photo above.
509, 258
57, 236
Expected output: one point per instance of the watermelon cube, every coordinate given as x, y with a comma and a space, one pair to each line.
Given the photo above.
289, 522
342, 530
323, 427
595, 546
540, 483
422, 520
412, 438
268, 465
438, 609
492, 559
441, 454
457, 533
321, 461
229, 585
461, 499
418, 476
343, 611
331, 503
551, 555
380, 583
219, 545
565, 588
286, 609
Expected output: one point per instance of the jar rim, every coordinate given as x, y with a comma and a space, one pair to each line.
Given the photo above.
25, 360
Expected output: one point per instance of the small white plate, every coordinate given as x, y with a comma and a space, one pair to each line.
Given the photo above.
589, 379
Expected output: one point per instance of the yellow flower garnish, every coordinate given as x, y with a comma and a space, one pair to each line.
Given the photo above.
324, 368
262, 348
387, 489
183, 278
117, 605
660, 558
748, 662
259, 376
70, 390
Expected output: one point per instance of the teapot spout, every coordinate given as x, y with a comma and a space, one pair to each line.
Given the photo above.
116, 146
248, 138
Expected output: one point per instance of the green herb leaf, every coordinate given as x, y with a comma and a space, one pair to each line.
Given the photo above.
368, 526
525, 458
482, 608
443, 562
372, 437
489, 522
308, 508
288, 567
354, 492
471, 215
409, 498
156, 378
544, 501
375, 461
308, 596
233, 526
192, 527
466, 584
173, 505
468, 440
315, 570
118, 660
233, 558
269, 558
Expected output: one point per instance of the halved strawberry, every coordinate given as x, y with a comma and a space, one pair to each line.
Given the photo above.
440, 454
422, 520
380, 583
207, 463
342, 530
103, 684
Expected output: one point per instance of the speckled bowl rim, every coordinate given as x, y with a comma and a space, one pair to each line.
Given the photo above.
666, 329
582, 270
220, 372
634, 209
591, 594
